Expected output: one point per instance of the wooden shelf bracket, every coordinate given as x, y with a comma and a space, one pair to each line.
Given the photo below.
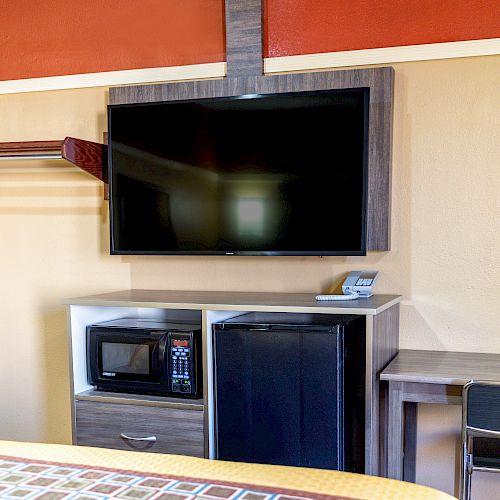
92, 157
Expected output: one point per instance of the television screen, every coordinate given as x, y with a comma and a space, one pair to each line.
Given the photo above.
280, 174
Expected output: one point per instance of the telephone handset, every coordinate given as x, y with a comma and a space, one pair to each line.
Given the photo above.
357, 284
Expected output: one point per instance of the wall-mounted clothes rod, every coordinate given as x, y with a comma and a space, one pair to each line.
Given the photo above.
91, 157
32, 150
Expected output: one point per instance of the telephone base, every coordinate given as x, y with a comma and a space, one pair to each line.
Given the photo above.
361, 295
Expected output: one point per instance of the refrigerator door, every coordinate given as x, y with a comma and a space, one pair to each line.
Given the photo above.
279, 395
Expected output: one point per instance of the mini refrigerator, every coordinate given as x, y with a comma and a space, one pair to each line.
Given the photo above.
290, 390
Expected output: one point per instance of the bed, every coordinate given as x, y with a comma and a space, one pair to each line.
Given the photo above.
56, 472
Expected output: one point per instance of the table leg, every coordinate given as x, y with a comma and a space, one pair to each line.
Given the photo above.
410, 442
395, 431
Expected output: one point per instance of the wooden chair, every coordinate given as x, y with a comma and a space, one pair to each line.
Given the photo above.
480, 431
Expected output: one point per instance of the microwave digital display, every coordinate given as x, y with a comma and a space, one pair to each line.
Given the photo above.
180, 343
125, 358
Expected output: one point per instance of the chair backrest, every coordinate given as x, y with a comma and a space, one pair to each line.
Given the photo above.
481, 401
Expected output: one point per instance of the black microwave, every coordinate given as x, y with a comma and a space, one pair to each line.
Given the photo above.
145, 357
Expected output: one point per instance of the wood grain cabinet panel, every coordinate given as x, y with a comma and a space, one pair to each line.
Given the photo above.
176, 431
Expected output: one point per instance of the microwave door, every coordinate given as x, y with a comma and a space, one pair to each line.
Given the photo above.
129, 360
121, 361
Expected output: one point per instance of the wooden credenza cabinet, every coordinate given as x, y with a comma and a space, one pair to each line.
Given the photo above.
187, 427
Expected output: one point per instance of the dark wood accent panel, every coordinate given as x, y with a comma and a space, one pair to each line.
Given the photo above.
177, 431
91, 157
244, 38
385, 344
380, 81
30, 148
197, 89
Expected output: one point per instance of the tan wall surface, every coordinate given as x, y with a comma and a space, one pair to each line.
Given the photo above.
445, 241
445, 236
445, 217
54, 244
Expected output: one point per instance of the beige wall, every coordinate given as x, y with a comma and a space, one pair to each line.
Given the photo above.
445, 217
54, 244
445, 236
445, 241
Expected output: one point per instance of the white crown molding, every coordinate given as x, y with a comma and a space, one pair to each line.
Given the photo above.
113, 78
425, 52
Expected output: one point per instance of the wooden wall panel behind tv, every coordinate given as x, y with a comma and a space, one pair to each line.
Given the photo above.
380, 81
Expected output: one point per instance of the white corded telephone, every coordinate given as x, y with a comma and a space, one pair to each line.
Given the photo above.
357, 284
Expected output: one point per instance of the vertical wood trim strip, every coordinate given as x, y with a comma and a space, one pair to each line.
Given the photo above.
71, 374
410, 441
395, 431
385, 345
106, 183
369, 424
380, 161
244, 38
205, 335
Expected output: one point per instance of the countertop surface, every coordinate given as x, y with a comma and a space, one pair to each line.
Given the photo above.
244, 301
442, 367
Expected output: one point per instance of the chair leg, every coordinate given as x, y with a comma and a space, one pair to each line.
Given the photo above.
465, 473
467, 486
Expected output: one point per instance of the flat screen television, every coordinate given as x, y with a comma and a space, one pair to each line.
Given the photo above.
277, 174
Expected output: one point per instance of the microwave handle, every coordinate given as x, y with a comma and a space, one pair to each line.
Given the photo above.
162, 362
154, 360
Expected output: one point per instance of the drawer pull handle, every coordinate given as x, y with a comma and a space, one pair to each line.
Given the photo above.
149, 439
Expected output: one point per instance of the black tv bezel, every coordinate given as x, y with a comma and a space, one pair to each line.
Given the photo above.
358, 252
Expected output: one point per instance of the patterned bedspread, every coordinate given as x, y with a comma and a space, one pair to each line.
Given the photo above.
57, 472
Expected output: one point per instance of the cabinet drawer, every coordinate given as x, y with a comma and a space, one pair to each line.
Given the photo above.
176, 431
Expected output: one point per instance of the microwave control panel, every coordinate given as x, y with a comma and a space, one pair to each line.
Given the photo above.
182, 376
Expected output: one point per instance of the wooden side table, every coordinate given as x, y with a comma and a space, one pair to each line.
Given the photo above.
425, 377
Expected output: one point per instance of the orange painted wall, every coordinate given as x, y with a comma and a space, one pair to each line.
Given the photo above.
309, 26
62, 37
